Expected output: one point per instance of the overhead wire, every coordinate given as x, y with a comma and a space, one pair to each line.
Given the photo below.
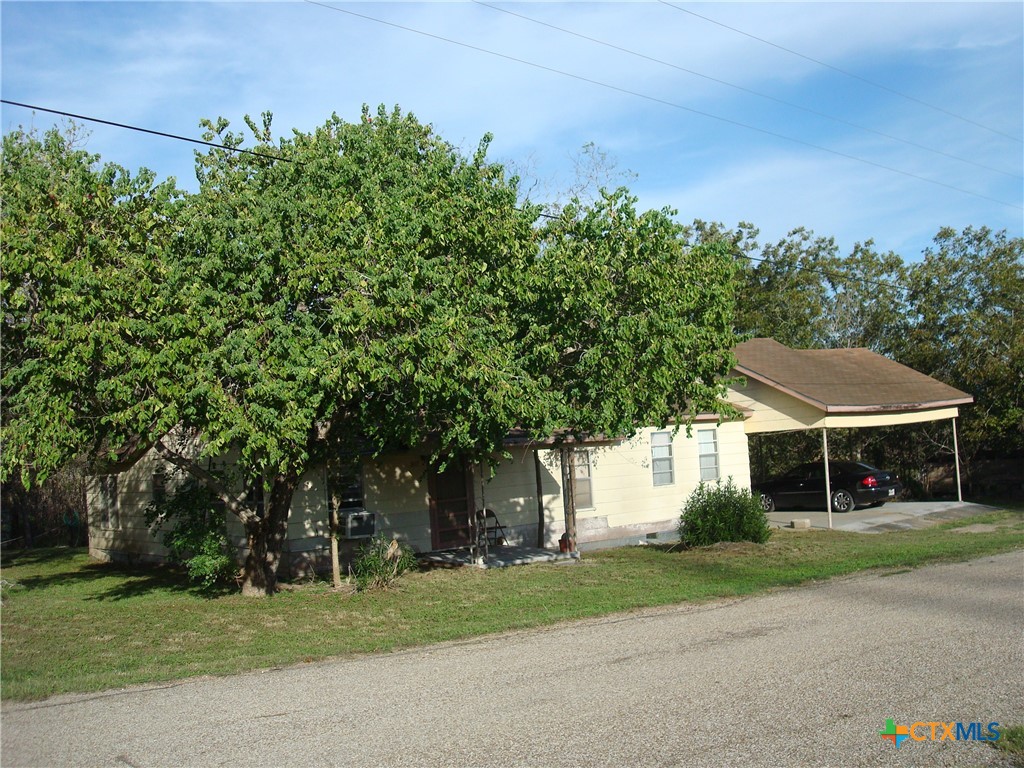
187, 139
150, 131
664, 102
853, 75
751, 91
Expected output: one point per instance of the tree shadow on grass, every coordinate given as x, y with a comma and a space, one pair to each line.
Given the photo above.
40, 556
129, 580
139, 581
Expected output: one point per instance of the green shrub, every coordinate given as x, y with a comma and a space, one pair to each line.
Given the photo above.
191, 521
718, 512
379, 562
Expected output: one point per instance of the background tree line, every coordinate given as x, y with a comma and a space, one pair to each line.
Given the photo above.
957, 314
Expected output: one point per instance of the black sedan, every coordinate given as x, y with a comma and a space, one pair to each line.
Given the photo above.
853, 484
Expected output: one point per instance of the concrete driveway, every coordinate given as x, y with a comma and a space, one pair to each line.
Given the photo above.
894, 516
801, 677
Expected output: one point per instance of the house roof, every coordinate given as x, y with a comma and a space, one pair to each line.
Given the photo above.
844, 380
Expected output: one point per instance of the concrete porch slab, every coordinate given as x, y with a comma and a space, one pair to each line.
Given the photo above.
498, 557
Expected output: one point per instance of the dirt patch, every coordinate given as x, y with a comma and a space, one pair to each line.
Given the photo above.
737, 546
977, 528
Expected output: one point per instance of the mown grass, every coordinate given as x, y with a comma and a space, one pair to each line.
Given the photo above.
73, 625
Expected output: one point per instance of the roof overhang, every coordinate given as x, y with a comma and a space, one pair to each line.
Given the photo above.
783, 390
830, 408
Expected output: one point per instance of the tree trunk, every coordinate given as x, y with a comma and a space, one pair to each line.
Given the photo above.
568, 457
541, 516
335, 524
266, 536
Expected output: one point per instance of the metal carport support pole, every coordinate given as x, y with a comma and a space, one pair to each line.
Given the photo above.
828, 482
956, 457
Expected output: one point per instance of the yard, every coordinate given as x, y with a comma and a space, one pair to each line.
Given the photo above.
74, 625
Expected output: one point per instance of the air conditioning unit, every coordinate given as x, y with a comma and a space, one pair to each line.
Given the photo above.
358, 524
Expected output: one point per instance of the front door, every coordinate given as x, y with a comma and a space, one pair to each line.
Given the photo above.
451, 504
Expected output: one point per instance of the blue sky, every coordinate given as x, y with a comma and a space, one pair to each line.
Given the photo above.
878, 120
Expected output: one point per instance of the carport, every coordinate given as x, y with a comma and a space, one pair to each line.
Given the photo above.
787, 390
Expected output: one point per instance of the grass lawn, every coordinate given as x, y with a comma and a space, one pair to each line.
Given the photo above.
70, 624
1011, 742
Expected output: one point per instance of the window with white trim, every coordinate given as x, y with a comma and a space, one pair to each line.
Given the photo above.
707, 448
584, 485
110, 514
662, 465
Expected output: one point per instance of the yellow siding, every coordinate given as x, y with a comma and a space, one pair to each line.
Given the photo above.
772, 410
625, 496
512, 494
395, 488
130, 538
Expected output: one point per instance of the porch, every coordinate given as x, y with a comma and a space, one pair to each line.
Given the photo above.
501, 556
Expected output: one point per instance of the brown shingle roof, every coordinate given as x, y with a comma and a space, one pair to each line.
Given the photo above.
844, 380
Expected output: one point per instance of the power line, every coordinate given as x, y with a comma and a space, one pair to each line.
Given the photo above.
751, 91
163, 134
137, 129
842, 71
827, 273
176, 137
665, 102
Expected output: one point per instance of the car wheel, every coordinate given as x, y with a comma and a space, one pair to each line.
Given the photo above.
767, 503
842, 501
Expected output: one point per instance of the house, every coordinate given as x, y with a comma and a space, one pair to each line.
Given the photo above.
624, 489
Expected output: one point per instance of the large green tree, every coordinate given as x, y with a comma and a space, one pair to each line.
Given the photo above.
84, 250
359, 287
357, 291
630, 324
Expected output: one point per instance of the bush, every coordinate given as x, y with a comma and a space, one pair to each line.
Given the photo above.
379, 562
191, 520
718, 512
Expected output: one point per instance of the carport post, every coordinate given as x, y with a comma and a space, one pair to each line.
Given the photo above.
828, 482
956, 457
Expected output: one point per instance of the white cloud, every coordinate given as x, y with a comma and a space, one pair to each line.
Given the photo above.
165, 65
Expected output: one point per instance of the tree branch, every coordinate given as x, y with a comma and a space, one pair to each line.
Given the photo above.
211, 481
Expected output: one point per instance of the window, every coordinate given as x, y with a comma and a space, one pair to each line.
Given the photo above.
707, 447
255, 498
584, 488
110, 516
159, 486
345, 487
662, 468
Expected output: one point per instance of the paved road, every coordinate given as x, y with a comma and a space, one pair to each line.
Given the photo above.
802, 677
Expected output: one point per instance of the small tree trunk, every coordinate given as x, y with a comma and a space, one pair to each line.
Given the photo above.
568, 457
541, 516
335, 563
266, 537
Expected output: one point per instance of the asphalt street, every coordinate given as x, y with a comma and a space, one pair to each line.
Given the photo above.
798, 677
